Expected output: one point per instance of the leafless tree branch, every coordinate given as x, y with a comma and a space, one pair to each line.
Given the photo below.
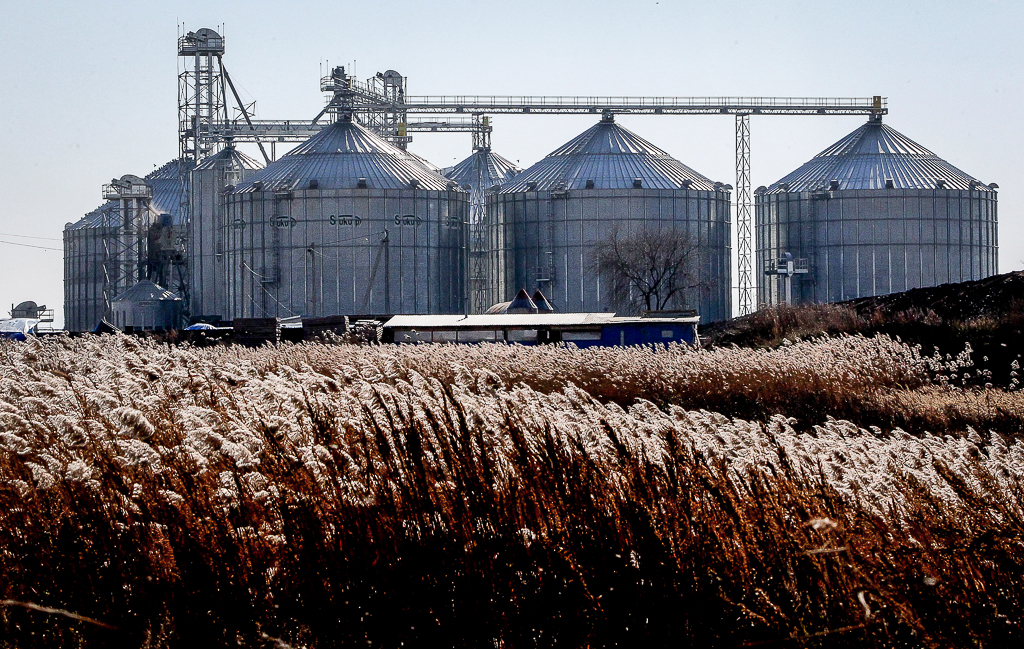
649, 268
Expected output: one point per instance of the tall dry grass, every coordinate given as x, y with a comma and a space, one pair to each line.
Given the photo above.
492, 496
849, 377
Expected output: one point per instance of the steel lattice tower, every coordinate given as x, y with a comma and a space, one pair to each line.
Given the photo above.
124, 242
201, 106
744, 229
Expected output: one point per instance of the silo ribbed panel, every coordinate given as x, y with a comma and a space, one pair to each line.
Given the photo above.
88, 255
206, 241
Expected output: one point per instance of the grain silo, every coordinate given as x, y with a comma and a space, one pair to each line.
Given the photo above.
147, 307
206, 232
550, 219
874, 213
479, 172
345, 223
136, 234
87, 291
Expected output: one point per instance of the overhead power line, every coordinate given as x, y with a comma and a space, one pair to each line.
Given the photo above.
26, 236
29, 245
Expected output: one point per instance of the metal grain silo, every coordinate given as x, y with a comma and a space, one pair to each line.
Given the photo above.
874, 213
550, 218
480, 172
206, 232
345, 223
134, 235
147, 307
86, 295
167, 237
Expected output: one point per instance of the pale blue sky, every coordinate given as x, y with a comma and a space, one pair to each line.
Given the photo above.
90, 88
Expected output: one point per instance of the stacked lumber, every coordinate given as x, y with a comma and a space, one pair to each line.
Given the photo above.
314, 328
254, 332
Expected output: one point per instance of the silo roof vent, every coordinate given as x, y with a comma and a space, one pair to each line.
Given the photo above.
522, 303
542, 303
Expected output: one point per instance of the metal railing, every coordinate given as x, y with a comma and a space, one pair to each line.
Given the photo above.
781, 265
657, 105
190, 44
113, 191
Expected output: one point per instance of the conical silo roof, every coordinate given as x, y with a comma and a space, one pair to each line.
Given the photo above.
612, 157
145, 291
871, 156
165, 182
337, 157
482, 170
229, 157
423, 161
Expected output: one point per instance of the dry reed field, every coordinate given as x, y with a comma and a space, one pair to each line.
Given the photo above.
841, 492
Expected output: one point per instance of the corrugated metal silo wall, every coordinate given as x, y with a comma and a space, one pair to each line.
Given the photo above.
206, 236
551, 236
860, 243
315, 253
147, 315
84, 254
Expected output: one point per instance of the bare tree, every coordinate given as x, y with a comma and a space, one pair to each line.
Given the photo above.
649, 268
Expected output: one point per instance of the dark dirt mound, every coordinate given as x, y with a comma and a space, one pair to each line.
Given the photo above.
986, 314
994, 297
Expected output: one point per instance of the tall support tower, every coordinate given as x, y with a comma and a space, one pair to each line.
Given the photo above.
393, 128
202, 115
481, 132
744, 229
478, 254
125, 253
201, 106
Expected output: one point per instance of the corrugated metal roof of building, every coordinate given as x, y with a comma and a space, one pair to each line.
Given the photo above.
167, 196
146, 290
612, 157
524, 320
337, 157
868, 157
